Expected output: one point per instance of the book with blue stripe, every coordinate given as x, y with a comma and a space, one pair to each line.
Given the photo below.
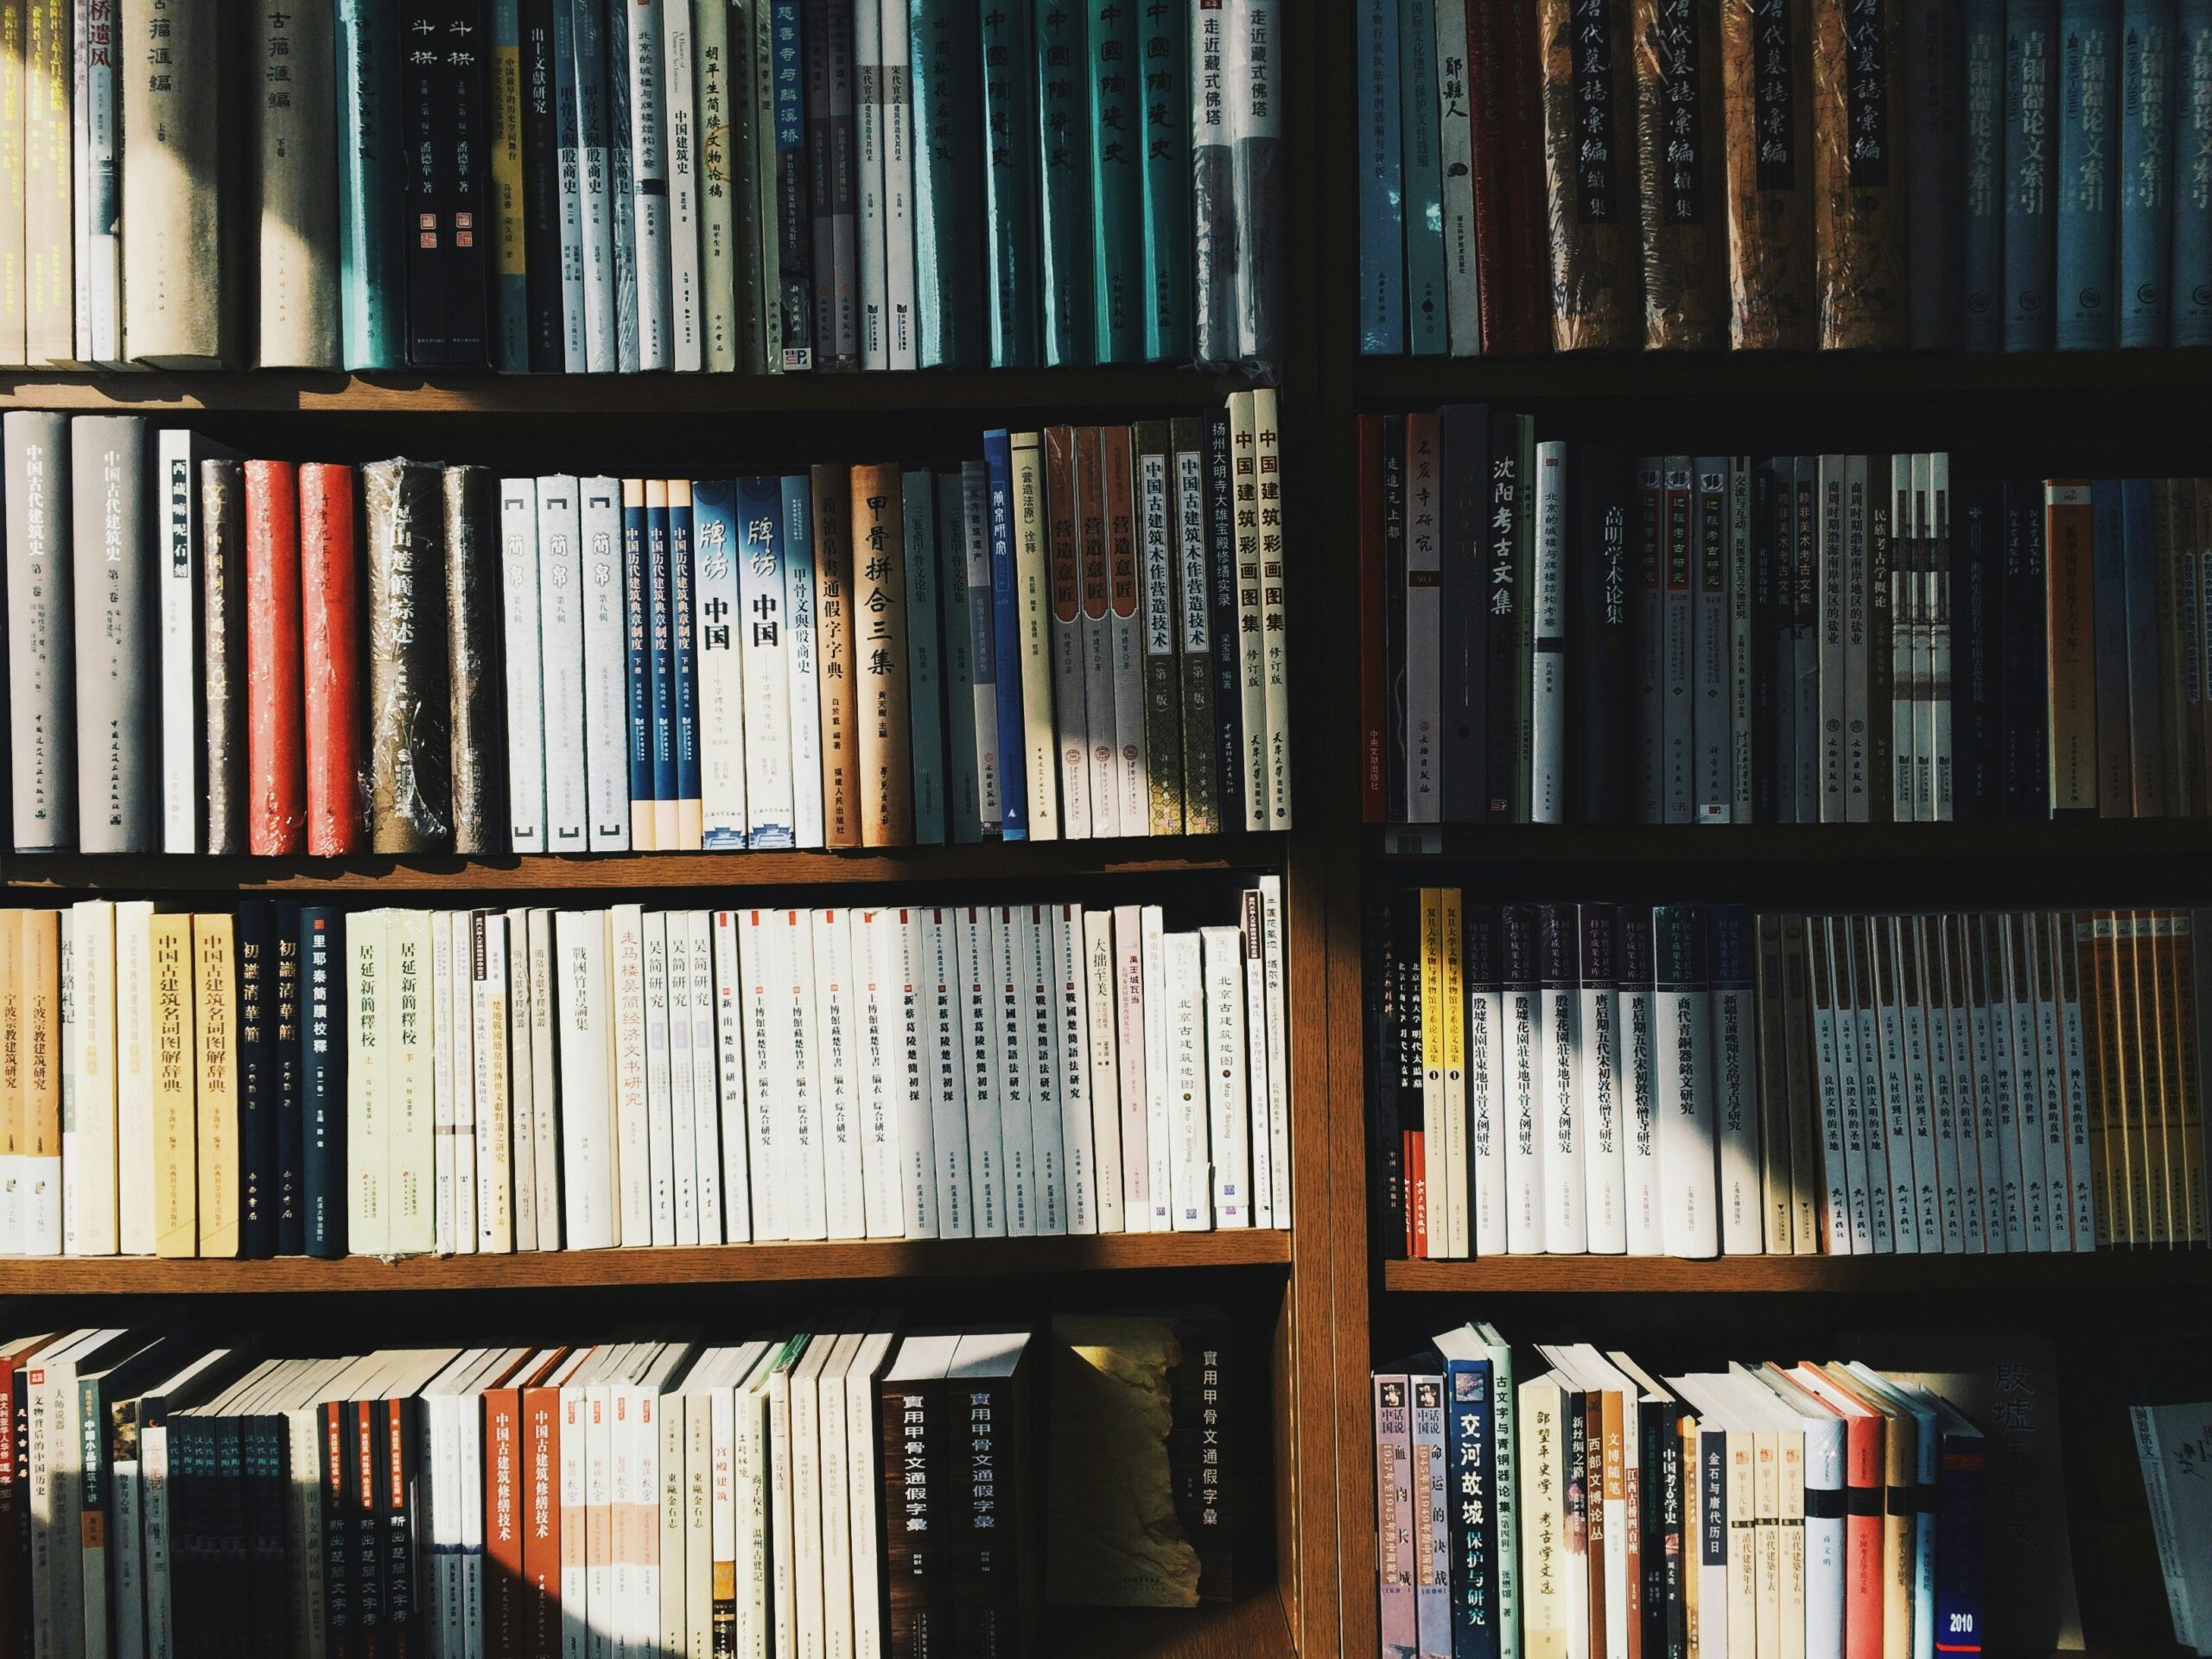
371, 251
2146, 169
1063, 120
1982, 270
1164, 43
1009, 187
948, 199
2189, 281
1469, 1424
925, 655
765, 665
636, 639
963, 781
2087, 219
804, 658
683, 574
661, 640
1425, 308
1116, 182
1381, 240
2031, 176
1005, 637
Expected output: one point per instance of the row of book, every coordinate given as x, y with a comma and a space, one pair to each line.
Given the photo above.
1695, 1080
587, 187
1945, 174
1080, 635
282, 1080
1594, 1507
848, 1488
1556, 633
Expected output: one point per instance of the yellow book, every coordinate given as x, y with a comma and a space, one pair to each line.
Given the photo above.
50, 294
1429, 1173
176, 1093
215, 1017
12, 1190
1458, 1217
41, 956
11, 180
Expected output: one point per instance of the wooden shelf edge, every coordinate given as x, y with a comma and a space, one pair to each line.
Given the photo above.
1251, 1627
1627, 1275
1801, 842
976, 861
719, 1264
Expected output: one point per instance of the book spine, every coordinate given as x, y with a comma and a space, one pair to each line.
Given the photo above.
510, 304
1743, 664
330, 623
886, 773
948, 215
410, 755
422, 205
1687, 1141
183, 759
298, 324
1678, 679
660, 646
1547, 613
2145, 180
679, 74
836, 624
792, 252
472, 656
539, 179
721, 158
683, 661
1010, 220
872, 275
2088, 185
1588, 115
372, 315
1193, 629
1984, 181
256, 1080
900, 138
1936, 211
2189, 282
1164, 45
1070, 716
1448, 580
1859, 276
765, 656
1162, 703
2031, 106
1213, 165
1711, 798
717, 624
1117, 173
526, 714
1766, 136
2072, 691
110, 469
13, 75
1381, 228
275, 814
1679, 150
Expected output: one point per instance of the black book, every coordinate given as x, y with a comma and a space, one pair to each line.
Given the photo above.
993, 1585
400, 1430
1228, 661
1385, 1172
2023, 652
1774, 670
257, 991
541, 189
336, 1462
285, 1060
231, 1612
1394, 616
1505, 605
1602, 648
424, 133
1978, 711
263, 1497
816, 26
1464, 682
794, 197
1889, 554
364, 1481
322, 1082
465, 157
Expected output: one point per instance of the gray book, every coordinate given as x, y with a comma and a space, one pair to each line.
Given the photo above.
119, 809
41, 648
925, 664
1805, 635
623, 200
1677, 639
964, 797
221, 508
298, 225
1255, 128
1709, 716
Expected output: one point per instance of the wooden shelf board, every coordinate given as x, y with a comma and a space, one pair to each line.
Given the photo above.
718, 1264
1252, 1627
1624, 1275
985, 860
1810, 843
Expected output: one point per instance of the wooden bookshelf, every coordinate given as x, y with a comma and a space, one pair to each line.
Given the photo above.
1253, 1627
1817, 844
1616, 1275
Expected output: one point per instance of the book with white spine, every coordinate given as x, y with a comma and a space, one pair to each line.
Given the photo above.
983, 649
1183, 985
88, 1151
607, 666
797, 1100
1858, 1021
1131, 1054
910, 1061
1839, 1206
706, 1079
1275, 634
560, 682
719, 630
1251, 943
526, 711
2003, 1219
882, 1067
134, 1076
982, 1038
2013, 985
1601, 1077
1641, 1037
1916, 1208
1485, 1065
178, 452
803, 662
1101, 1012
1688, 1168
1547, 610
1069, 1013
898, 139
1155, 1015
1921, 939
2041, 989
732, 1033
764, 953
648, 182
1032, 591
1523, 1123
834, 1438
1039, 1008
596, 199
522, 1094
943, 997
543, 967
1936, 605
442, 1080
837, 1041
1740, 647
1858, 515
2076, 1082
1565, 1224
868, 116
687, 301
583, 995
1959, 1018
1907, 485
408, 1179
684, 1133
1229, 1112
625, 957
494, 1143
763, 658
1277, 965
1732, 962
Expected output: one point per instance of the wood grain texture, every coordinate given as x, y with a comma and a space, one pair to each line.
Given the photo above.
1618, 1276
1250, 1627
1818, 845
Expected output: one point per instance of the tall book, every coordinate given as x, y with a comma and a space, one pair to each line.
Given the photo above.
182, 284
276, 818
1859, 175
1766, 134
41, 676
1588, 129
298, 285
881, 659
948, 213
110, 468
1680, 165
411, 755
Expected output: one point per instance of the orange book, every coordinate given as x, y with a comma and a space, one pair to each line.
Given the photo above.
885, 738
2069, 622
833, 657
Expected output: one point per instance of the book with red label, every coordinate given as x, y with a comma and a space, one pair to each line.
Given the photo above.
276, 798
330, 630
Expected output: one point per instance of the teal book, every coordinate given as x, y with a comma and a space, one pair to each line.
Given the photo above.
1982, 274
2031, 180
1009, 186
2189, 285
948, 184
2146, 169
1064, 180
1164, 41
924, 656
1116, 181
1424, 179
372, 275
2088, 146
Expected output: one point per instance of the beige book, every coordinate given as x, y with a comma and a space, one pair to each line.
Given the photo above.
134, 1076
41, 956
370, 1025
298, 323
88, 1128
180, 301
1033, 585
13, 1190
13, 82
50, 295
214, 1014
176, 1092
412, 1153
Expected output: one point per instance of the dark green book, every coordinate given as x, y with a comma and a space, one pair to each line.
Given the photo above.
1116, 180
948, 183
1063, 187
1164, 39
1010, 183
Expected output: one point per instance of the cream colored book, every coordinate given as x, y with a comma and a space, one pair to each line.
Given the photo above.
298, 206
175, 1195
809, 1496
214, 1013
492, 1018
13, 1192
411, 1149
370, 1033
522, 1099
41, 1040
88, 1147
863, 1467
179, 300
49, 175
1033, 613
782, 1575
134, 1076
12, 87
633, 1112
835, 1496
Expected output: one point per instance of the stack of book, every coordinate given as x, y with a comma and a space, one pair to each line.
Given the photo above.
583, 185
286, 1080
1595, 1508
1997, 174
1695, 1080
1561, 633
1080, 635
845, 1488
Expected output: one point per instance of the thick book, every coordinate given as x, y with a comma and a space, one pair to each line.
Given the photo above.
1983, 183
298, 285
275, 819
110, 468
1164, 49
1213, 159
2146, 181
1766, 132
948, 190
2031, 185
520, 658
1587, 76
1009, 166
182, 191
1937, 206
1681, 167
2189, 283
1193, 624
330, 623
886, 768
2087, 209
411, 755
1157, 570
1382, 172
1065, 553
1426, 305
41, 676
1860, 171
1445, 620
473, 622
1685, 1055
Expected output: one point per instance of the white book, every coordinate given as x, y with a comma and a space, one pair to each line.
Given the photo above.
1928, 1140
628, 1041
1486, 1091
1251, 944
1424, 626
1010, 963
1101, 1013
864, 1481
688, 305
1277, 964
1601, 1079
1859, 1208
1822, 1455
833, 1498
67, 1165
2062, 951
607, 663
898, 139
684, 1132
135, 1061
1184, 985
982, 1044
584, 996
944, 995
575, 1459
706, 1085
2003, 1218
1548, 618
441, 1079
733, 1034
975, 525
1161, 557
1934, 732
89, 1150
412, 1127
1559, 1050
764, 656
719, 626
1524, 1086
1039, 960
838, 1039
649, 183
560, 683
1858, 738
522, 1093
1683, 1014
1740, 647
2025, 1076
803, 663
799, 1105
456, 996
867, 193
1132, 1052
1154, 1018
545, 1036
907, 1171
1894, 1090
1873, 1116
1911, 774
1957, 1018
524, 653
765, 959
1732, 959
1922, 937
1068, 1012
2043, 988
783, 1504
177, 451
495, 1134
1130, 781
574, 352
1274, 634
1228, 1108
368, 1221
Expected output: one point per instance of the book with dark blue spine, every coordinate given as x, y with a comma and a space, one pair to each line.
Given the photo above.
1599, 557
1381, 237
683, 663
2147, 114
637, 635
371, 249
1472, 1516
1164, 48
1221, 573
661, 641
1961, 1493
2108, 606
2189, 288
1982, 256
2142, 735
948, 188
1116, 182
1463, 682
1935, 218
540, 70
286, 1049
2089, 217
1009, 187
925, 655
510, 310
1062, 121
2031, 176
257, 1081
793, 278
621, 187
322, 1082
1418, 117
1006, 638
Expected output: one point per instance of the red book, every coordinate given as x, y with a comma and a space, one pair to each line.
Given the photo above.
541, 1532
504, 1473
276, 807
1527, 227
1374, 671
1416, 1195
330, 627
1488, 37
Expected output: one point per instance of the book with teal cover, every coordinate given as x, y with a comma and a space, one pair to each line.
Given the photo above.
1424, 180
1381, 174
371, 281
1009, 186
1064, 179
2030, 179
948, 183
1164, 41
2189, 284
2146, 169
2089, 145
1116, 181
1982, 272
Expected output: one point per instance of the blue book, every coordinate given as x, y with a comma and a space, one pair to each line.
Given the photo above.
1962, 1482
925, 655
2146, 169
1982, 269
683, 665
371, 259
1424, 179
1116, 182
256, 969
2031, 177
322, 1082
1005, 637
1063, 177
1467, 1429
2088, 146
285, 1063
1010, 186
2145, 714
637, 636
1382, 233
662, 641
1164, 46
802, 661
760, 591
2108, 606
2189, 287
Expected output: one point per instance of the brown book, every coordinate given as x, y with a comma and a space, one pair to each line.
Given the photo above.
473, 617
2185, 1120
1516, 30
410, 745
833, 656
1590, 174
1858, 179
878, 577
2090, 953
222, 642
2070, 621
1680, 198
1767, 133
